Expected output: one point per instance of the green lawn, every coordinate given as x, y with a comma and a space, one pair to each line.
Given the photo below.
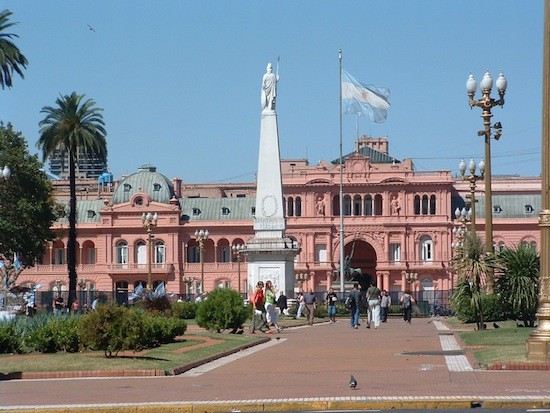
165, 357
504, 344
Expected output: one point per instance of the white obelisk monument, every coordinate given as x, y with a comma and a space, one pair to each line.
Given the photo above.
270, 254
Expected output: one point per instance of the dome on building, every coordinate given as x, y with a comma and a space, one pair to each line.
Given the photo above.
146, 180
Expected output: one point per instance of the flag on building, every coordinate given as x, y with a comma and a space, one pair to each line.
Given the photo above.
368, 100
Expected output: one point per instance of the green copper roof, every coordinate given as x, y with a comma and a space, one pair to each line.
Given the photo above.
217, 209
86, 211
147, 180
506, 206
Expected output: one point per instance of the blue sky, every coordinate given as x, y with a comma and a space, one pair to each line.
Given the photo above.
179, 81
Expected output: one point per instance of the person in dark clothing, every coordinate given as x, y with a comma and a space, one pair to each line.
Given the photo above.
354, 299
332, 299
309, 299
282, 303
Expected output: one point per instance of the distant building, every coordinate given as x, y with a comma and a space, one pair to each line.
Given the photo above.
397, 221
87, 166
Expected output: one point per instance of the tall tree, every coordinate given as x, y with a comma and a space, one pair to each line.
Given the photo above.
74, 126
472, 265
11, 59
518, 283
27, 206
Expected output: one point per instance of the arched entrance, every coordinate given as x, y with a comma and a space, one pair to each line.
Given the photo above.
363, 256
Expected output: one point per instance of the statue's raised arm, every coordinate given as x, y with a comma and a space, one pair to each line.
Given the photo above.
269, 89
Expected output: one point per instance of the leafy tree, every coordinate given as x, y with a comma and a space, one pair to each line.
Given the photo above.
519, 281
222, 310
27, 206
472, 264
11, 59
74, 126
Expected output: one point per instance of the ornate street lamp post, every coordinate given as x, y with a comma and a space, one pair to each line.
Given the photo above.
188, 279
149, 222
411, 277
472, 178
6, 173
486, 103
302, 278
238, 249
201, 235
538, 343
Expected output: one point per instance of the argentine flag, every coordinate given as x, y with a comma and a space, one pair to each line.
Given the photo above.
368, 100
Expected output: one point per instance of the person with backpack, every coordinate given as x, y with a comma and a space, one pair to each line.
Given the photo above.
353, 301
407, 302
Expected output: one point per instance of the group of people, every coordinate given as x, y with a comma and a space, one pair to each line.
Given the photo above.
265, 308
377, 303
58, 306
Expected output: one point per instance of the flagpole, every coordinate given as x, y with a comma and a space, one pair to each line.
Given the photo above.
342, 287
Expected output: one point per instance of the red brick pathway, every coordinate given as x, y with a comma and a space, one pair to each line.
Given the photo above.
309, 362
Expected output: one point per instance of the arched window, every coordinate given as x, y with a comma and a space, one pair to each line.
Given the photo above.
160, 252
347, 205
223, 284
336, 205
122, 253
378, 204
357, 204
425, 205
298, 206
417, 205
290, 207
368, 205
141, 254
432, 205
426, 249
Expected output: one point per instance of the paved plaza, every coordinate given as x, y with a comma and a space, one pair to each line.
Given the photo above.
397, 365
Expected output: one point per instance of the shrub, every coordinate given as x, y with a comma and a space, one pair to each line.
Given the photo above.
493, 307
53, 334
10, 342
102, 329
184, 311
112, 328
222, 310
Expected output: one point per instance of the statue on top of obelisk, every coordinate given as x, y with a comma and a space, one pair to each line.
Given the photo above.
269, 88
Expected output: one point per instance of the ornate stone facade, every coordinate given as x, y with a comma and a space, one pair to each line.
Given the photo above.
388, 239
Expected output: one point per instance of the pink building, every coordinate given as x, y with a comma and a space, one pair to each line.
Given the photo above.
397, 221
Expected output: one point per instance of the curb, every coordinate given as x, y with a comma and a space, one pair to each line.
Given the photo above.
303, 404
519, 366
200, 362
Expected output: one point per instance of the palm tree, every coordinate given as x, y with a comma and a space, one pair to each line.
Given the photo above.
473, 265
10, 57
519, 281
71, 128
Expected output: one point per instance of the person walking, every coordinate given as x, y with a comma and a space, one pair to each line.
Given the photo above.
407, 302
282, 303
309, 301
353, 302
373, 300
258, 310
271, 305
301, 305
385, 302
331, 300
